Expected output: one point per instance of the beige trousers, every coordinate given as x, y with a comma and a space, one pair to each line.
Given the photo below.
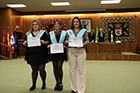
77, 61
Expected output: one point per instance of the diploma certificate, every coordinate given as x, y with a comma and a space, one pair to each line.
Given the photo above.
56, 48
75, 42
33, 41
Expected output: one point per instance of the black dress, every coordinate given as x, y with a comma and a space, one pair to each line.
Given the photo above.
37, 55
58, 56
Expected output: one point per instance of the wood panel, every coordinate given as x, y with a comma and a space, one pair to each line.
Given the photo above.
92, 48
11, 18
104, 48
4, 20
114, 57
25, 22
109, 48
96, 21
16, 20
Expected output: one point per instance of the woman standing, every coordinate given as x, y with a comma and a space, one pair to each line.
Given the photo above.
37, 56
58, 37
77, 57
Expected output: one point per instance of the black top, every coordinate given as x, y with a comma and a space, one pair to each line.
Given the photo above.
91, 37
37, 55
101, 38
58, 56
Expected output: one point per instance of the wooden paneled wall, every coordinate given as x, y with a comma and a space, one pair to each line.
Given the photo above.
16, 20
96, 21
13, 18
4, 20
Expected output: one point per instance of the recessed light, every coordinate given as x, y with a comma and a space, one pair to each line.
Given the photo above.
60, 3
105, 13
16, 5
29, 16
110, 1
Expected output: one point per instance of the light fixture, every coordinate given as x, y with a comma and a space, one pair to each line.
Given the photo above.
51, 15
110, 1
60, 3
86, 10
16, 5
105, 13
29, 15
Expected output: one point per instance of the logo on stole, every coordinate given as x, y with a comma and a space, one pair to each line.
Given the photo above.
70, 32
51, 32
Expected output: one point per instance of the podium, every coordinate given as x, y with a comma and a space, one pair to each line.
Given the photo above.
104, 48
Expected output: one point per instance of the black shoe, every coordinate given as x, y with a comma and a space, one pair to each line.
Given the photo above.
32, 88
43, 87
56, 87
73, 91
60, 87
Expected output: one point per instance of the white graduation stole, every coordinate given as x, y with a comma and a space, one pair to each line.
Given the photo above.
41, 32
53, 38
79, 35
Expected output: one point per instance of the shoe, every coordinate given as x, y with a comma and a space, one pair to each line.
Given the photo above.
60, 87
43, 87
73, 91
32, 88
56, 87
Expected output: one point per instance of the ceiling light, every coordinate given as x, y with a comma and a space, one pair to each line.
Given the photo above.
16, 5
110, 1
51, 15
105, 13
60, 3
29, 15
85, 10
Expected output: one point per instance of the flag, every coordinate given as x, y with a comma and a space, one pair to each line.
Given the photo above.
15, 45
4, 40
96, 34
12, 41
8, 39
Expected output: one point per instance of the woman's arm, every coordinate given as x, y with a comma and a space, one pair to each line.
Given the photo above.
25, 42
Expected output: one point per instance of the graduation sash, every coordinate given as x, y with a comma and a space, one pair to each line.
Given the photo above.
79, 35
53, 38
41, 32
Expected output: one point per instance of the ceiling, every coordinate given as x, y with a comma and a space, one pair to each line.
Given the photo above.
44, 5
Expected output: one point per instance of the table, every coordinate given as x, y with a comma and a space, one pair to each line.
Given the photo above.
104, 48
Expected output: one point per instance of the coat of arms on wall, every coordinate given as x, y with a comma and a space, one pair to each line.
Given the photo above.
122, 27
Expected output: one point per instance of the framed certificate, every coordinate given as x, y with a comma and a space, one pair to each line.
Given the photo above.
56, 48
34, 41
76, 42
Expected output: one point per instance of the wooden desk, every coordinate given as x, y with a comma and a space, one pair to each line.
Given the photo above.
104, 48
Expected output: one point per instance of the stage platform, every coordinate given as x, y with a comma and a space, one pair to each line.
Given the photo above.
125, 56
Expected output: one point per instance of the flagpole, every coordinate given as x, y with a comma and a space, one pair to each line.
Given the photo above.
3, 39
10, 44
15, 45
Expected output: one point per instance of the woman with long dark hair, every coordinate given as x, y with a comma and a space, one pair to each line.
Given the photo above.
58, 36
77, 56
37, 56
